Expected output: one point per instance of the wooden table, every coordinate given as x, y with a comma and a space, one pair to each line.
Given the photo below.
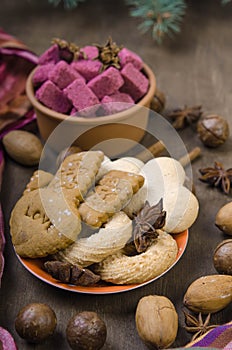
194, 68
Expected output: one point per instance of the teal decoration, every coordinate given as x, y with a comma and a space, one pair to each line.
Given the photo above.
68, 4
161, 17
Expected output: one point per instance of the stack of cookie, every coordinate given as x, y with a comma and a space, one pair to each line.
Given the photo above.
61, 217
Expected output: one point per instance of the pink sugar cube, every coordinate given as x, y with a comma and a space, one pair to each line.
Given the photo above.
88, 69
127, 56
90, 51
63, 74
136, 84
73, 111
116, 103
106, 83
52, 97
41, 73
51, 55
81, 96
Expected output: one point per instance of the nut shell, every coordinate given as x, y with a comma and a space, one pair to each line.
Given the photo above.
222, 257
86, 331
209, 294
224, 219
35, 322
156, 321
213, 130
23, 146
158, 102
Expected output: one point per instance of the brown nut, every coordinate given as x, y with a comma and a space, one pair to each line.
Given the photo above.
23, 146
35, 322
86, 331
156, 321
224, 219
213, 130
209, 294
222, 257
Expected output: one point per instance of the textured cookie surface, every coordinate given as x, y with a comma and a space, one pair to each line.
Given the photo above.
39, 179
122, 269
99, 245
76, 174
33, 233
113, 192
46, 220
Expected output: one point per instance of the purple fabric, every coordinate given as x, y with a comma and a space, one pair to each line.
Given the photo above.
16, 62
218, 338
27, 55
6, 340
211, 336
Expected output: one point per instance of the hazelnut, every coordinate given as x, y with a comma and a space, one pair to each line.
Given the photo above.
213, 130
223, 218
222, 257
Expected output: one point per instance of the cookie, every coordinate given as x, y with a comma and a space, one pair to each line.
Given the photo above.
33, 233
122, 269
46, 220
99, 245
39, 179
112, 193
129, 164
76, 174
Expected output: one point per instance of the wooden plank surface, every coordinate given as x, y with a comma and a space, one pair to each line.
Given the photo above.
193, 69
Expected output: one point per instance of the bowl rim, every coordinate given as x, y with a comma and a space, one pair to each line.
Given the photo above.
93, 120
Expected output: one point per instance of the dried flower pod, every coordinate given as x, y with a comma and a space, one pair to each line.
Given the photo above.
158, 101
209, 294
156, 321
108, 54
222, 257
213, 130
224, 218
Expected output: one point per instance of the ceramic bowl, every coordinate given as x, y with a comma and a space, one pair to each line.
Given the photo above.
98, 132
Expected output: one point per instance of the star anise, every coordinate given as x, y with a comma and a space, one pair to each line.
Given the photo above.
108, 54
147, 221
71, 274
197, 325
217, 176
68, 51
185, 116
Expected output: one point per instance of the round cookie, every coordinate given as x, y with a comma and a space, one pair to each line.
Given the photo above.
33, 233
122, 269
129, 164
107, 241
182, 209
